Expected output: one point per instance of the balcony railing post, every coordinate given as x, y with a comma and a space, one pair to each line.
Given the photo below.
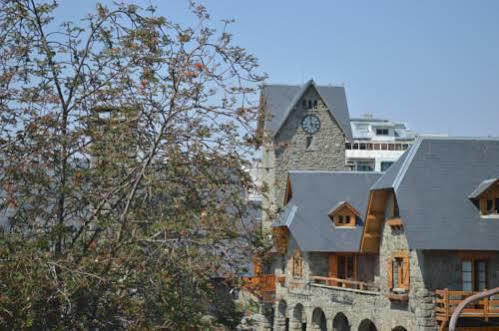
486, 308
446, 303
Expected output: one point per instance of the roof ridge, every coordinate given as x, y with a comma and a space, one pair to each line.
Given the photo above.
407, 162
300, 85
438, 137
338, 172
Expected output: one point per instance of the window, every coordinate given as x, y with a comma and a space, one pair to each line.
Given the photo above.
346, 267
467, 276
304, 103
490, 205
315, 104
297, 269
382, 132
385, 165
309, 141
474, 275
362, 128
398, 271
342, 266
481, 275
364, 166
345, 220
309, 104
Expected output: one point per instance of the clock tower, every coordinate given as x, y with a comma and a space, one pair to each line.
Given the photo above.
302, 128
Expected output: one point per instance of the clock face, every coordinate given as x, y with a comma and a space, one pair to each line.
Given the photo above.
311, 124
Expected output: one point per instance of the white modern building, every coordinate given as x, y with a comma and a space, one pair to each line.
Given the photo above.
377, 143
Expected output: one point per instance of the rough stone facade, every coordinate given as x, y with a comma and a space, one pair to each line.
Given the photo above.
419, 312
288, 150
301, 304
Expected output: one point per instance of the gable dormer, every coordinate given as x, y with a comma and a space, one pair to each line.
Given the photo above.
486, 198
344, 215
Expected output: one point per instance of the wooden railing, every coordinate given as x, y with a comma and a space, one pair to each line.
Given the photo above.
262, 286
446, 302
353, 284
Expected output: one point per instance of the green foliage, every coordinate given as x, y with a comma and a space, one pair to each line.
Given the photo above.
123, 143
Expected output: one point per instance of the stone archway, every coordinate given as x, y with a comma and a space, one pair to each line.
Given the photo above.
399, 328
340, 323
319, 320
298, 319
281, 319
367, 325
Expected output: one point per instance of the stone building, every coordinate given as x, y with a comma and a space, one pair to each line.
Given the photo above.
302, 128
427, 237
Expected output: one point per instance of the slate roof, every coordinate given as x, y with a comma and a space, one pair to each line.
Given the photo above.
314, 194
432, 182
280, 100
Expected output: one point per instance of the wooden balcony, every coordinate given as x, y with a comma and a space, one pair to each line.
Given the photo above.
263, 286
446, 302
345, 283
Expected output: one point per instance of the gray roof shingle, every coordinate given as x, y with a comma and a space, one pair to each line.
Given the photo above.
314, 194
280, 100
432, 183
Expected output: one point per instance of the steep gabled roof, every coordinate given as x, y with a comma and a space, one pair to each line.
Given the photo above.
281, 99
432, 182
314, 194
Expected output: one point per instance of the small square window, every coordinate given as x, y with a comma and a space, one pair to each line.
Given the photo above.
347, 219
340, 219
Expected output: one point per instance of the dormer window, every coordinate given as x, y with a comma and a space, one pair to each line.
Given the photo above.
343, 215
486, 198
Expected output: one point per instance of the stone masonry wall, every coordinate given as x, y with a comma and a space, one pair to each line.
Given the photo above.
419, 311
288, 150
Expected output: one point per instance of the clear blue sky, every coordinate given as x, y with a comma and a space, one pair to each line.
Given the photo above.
431, 64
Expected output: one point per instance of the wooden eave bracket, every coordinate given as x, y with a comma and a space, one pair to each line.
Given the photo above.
398, 297
395, 223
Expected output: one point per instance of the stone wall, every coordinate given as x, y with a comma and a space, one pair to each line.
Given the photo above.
357, 306
419, 311
288, 151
